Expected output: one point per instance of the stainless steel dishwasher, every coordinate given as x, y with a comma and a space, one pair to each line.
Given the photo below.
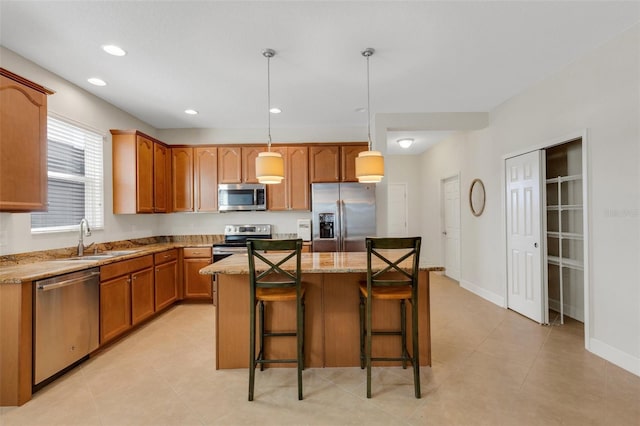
66, 323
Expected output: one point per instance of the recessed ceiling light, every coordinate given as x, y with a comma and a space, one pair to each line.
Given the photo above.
360, 109
275, 110
113, 50
405, 143
190, 111
97, 81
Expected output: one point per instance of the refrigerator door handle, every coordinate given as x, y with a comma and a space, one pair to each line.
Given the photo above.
343, 228
339, 225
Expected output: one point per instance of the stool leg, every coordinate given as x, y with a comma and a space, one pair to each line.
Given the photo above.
403, 332
299, 338
362, 357
368, 344
303, 326
252, 349
416, 345
261, 318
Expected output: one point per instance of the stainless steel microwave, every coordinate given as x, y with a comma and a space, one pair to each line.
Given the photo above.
242, 197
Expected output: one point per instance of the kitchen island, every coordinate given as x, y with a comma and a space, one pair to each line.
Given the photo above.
332, 316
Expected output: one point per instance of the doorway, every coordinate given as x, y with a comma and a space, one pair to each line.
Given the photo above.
451, 226
397, 225
553, 274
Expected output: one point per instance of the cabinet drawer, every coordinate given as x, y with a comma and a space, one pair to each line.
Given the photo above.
165, 256
190, 252
125, 267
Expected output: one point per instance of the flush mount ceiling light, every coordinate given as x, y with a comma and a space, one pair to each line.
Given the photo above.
269, 165
405, 143
369, 164
191, 111
114, 50
97, 81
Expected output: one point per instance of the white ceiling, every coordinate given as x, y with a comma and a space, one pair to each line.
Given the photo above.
430, 56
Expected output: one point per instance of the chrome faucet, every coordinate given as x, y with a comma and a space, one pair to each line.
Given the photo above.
87, 233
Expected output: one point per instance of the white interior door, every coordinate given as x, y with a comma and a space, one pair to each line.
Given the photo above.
397, 197
524, 243
451, 227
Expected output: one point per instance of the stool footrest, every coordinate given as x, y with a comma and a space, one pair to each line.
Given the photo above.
393, 359
278, 333
386, 333
277, 361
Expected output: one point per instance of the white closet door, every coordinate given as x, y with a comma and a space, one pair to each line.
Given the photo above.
524, 242
451, 227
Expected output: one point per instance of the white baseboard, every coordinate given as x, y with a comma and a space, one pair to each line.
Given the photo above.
485, 294
615, 356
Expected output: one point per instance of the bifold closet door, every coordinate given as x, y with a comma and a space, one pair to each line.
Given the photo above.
525, 293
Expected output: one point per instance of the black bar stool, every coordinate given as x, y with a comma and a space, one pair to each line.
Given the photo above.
270, 282
397, 279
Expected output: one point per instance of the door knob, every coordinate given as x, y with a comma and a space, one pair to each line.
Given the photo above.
444, 232
535, 245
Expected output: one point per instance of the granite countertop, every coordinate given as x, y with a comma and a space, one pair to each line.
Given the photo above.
16, 269
326, 262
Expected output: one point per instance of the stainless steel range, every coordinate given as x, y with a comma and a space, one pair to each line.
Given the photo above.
235, 239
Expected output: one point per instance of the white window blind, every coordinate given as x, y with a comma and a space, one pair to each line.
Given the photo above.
75, 187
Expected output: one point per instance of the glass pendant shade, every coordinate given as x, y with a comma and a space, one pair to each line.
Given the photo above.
269, 167
369, 167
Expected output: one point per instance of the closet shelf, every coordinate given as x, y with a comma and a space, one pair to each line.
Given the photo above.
561, 179
565, 263
565, 235
565, 207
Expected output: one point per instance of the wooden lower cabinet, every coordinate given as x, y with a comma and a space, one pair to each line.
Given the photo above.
126, 295
115, 307
197, 286
166, 278
142, 296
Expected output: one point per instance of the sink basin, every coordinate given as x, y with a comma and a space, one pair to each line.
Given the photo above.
118, 252
101, 256
92, 257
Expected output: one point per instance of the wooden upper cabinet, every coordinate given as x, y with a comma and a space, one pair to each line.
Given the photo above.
229, 164
206, 178
298, 177
293, 192
249, 155
348, 154
161, 178
23, 144
182, 179
238, 164
144, 181
334, 163
141, 173
324, 163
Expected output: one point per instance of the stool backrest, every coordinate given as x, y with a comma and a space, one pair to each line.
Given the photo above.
400, 259
279, 265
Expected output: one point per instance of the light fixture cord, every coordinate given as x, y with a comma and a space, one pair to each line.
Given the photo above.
269, 101
368, 106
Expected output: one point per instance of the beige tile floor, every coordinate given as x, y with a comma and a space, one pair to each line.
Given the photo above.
490, 366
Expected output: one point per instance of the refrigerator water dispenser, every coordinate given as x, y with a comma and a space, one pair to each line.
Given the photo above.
326, 225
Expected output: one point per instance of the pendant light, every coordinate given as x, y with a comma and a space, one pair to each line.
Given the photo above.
369, 164
269, 165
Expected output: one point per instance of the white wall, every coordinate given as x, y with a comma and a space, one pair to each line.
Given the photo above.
600, 93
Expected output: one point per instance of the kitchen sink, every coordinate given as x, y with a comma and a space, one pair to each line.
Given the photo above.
101, 256
118, 252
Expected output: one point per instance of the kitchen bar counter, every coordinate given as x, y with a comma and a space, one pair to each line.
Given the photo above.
332, 315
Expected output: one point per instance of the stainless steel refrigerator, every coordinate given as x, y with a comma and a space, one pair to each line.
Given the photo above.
343, 215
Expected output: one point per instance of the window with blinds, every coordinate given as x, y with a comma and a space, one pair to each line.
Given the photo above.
75, 188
